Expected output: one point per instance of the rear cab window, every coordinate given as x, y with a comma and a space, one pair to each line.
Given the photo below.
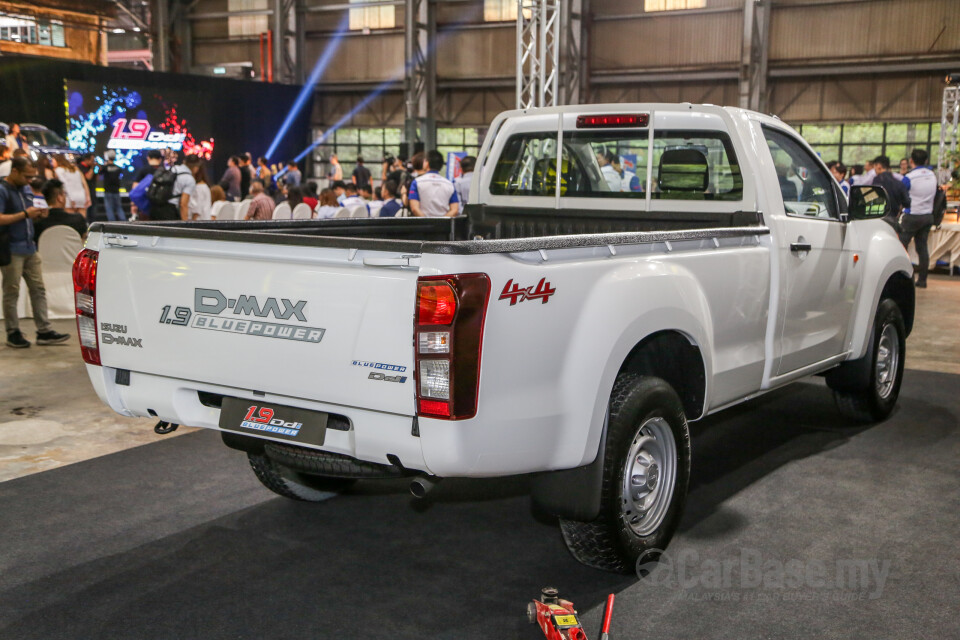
618, 164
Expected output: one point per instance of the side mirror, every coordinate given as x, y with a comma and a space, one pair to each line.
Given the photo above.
867, 202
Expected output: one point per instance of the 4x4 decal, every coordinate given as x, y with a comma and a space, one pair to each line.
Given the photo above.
514, 293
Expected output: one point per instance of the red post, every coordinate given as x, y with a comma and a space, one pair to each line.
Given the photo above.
270, 55
262, 74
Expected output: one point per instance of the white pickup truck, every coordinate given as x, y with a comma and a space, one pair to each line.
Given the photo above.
625, 269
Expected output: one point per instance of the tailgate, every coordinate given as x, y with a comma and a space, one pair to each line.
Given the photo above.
308, 322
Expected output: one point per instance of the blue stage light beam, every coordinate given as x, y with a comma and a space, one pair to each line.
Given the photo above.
380, 88
383, 86
322, 63
386, 84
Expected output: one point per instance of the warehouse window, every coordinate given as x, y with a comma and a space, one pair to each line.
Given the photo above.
57, 37
30, 30
499, 10
673, 5
855, 143
248, 25
458, 139
21, 29
372, 17
373, 144
350, 143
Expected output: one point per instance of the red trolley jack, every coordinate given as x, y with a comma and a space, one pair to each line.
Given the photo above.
558, 619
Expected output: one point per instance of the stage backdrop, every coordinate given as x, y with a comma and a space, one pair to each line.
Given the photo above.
217, 117
131, 120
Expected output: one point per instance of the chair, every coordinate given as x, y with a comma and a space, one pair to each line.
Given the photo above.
302, 212
359, 211
375, 207
215, 210
282, 212
241, 209
342, 213
228, 211
58, 249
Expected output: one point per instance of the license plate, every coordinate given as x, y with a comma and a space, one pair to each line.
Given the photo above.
273, 420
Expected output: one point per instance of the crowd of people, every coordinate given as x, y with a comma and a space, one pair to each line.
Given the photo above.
911, 189
61, 190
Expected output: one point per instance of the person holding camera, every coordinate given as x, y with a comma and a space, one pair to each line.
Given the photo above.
19, 257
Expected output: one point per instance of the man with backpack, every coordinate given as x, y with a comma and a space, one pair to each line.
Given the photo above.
170, 190
921, 182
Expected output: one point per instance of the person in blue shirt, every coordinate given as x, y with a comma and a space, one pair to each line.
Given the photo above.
391, 199
19, 258
839, 172
921, 182
431, 195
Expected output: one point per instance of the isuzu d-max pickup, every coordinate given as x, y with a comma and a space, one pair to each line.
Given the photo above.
625, 269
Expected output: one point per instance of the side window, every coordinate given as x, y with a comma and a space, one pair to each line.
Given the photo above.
806, 187
527, 166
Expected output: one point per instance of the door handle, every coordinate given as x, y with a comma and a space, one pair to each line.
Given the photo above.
798, 247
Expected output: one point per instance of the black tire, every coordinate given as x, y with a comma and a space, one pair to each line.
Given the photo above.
610, 542
285, 482
873, 401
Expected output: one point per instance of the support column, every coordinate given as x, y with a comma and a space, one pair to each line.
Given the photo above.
183, 28
572, 68
161, 40
949, 129
300, 41
285, 26
538, 53
420, 82
754, 55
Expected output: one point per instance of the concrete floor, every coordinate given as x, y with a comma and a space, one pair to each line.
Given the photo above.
50, 416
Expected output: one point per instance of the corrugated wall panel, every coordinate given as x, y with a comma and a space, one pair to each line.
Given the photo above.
864, 29
469, 108
207, 53
719, 93
360, 59
211, 29
906, 98
629, 7
667, 41
477, 54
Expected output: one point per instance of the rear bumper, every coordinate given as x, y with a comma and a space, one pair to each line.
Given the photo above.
373, 435
501, 446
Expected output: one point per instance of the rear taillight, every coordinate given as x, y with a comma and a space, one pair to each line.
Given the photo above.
448, 342
85, 296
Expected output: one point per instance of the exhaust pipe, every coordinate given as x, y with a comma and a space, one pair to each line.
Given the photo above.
422, 485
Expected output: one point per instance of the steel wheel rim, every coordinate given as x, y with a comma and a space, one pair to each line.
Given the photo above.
888, 360
649, 477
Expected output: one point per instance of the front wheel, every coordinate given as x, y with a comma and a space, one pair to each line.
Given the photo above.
646, 473
875, 401
288, 483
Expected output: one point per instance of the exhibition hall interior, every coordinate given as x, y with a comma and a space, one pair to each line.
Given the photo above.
465, 319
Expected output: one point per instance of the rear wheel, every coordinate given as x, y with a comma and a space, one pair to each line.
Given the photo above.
646, 474
292, 484
875, 400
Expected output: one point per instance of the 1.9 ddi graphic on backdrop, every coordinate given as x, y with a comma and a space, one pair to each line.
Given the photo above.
133, 120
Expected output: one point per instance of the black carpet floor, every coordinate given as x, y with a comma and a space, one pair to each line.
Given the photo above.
797, 526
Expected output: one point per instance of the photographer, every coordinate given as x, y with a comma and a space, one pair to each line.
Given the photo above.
19, 257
